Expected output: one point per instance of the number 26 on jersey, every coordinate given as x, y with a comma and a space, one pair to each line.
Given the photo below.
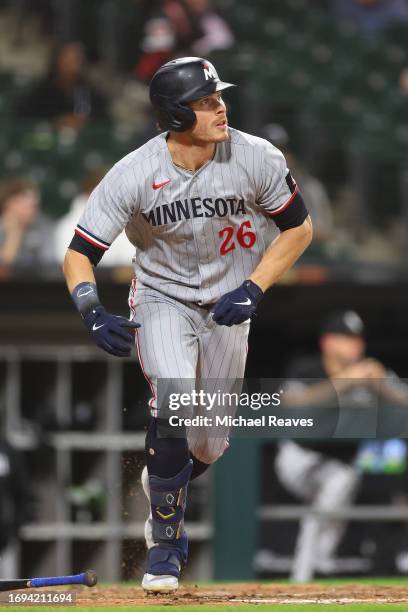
244, 235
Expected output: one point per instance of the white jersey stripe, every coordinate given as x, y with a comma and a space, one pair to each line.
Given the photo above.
91, 239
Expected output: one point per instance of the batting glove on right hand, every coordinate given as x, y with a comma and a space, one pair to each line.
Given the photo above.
109, 331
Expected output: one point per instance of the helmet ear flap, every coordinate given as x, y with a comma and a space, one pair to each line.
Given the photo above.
175, 116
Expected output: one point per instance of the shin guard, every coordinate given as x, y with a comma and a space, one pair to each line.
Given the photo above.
168, 502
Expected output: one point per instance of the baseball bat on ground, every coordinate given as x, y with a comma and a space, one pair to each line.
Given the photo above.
88, 578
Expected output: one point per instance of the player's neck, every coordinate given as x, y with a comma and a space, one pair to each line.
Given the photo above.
189, 154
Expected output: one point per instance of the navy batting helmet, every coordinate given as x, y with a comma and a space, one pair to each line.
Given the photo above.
178, 82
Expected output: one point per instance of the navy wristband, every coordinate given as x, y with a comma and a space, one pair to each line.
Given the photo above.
85, 297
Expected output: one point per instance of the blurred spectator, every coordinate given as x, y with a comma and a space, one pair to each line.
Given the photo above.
25, 232
158, 46
65, 95
216, 32
183, 27
323, 472
370, 15
314, 193
15, 498
121, 251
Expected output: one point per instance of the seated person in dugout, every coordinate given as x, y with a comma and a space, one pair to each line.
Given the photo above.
323, 472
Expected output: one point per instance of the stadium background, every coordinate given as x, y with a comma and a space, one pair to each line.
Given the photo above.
76, 416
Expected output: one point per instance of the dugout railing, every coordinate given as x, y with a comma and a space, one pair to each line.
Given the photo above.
78, 418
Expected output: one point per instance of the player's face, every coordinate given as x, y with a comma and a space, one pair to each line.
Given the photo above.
211, 124
346, 349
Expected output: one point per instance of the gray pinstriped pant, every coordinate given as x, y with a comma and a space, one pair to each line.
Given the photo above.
180, 341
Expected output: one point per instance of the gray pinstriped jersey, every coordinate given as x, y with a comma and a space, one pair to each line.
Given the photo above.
197, 234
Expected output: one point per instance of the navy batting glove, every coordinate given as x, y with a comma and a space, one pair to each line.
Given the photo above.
109, 331
239, 305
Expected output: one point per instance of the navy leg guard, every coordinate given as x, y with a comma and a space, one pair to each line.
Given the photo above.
163, 560
168, 502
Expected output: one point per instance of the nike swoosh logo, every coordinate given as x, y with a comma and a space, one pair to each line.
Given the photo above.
95, 327
246, 303
158, 185
82, 293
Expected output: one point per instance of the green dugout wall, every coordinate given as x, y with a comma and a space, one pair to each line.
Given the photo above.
235, 501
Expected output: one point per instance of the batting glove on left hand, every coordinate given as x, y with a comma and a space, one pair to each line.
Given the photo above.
239, 305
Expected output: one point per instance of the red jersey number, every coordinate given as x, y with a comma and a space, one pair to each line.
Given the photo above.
245, 236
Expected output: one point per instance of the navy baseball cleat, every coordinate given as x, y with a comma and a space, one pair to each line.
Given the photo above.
165, 536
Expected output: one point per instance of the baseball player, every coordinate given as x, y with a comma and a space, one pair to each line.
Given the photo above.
196, 201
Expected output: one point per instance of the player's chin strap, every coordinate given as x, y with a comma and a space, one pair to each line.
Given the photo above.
168, 502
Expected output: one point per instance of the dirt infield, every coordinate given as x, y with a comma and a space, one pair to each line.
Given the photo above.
235, 594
